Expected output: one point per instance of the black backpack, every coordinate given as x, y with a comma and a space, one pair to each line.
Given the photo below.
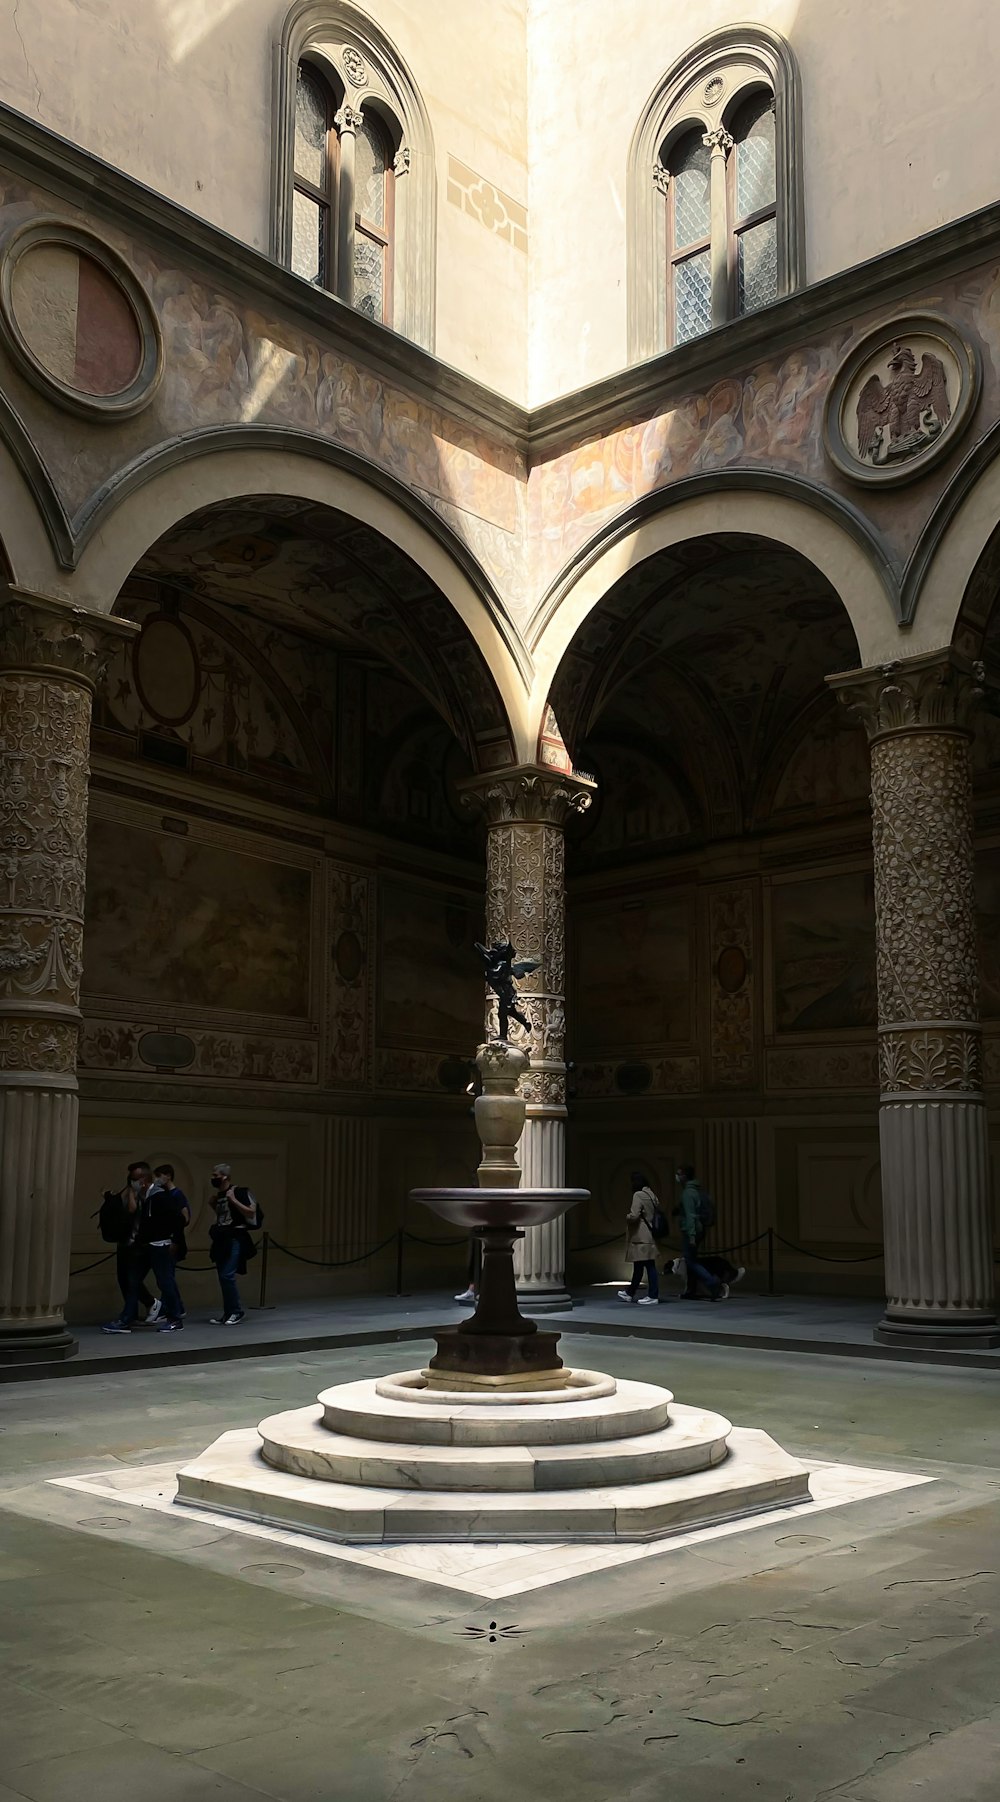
113, 1219
706, 1210
659, 1227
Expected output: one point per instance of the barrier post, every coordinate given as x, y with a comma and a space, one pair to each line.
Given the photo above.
399, 1262
262, 1297
770, 1260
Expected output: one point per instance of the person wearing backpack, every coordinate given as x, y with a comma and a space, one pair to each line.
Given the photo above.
697, 1213
640, 1244
236, 1211
158, 1216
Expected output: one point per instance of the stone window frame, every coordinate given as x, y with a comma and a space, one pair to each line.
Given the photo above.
362, 70
704, 89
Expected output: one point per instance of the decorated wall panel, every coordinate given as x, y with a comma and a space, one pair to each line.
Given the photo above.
429, 997
633, 983
823, 952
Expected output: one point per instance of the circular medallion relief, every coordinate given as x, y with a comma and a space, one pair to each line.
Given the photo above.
349, 957
901, 399
77, 321
165, 666
354, 66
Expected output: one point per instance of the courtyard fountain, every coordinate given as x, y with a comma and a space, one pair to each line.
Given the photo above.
496, 1439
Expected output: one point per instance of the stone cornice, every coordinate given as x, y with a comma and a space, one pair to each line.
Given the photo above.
41, 635
128, 206
529, 792
938, 691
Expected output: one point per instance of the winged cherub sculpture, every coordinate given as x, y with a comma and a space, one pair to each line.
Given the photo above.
501, 973
898, 418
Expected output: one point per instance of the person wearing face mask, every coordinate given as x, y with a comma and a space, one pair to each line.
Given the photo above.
236, 1211
119, 1223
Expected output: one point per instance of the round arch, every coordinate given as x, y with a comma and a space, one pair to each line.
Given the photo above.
852, 568
158, 494
953, 544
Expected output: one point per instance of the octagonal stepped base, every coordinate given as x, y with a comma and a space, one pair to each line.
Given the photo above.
233, 1478
300, 1443
399, 1410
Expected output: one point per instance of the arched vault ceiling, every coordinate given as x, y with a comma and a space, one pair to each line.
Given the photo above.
311, 569
748, 625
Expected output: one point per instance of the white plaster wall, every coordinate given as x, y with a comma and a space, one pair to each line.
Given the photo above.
178, 93
896, 103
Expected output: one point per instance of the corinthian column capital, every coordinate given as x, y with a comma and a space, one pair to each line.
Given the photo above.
43, 636
531, 792
937, 691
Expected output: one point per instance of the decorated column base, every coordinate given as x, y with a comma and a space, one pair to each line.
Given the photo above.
37, 1153
939, 1264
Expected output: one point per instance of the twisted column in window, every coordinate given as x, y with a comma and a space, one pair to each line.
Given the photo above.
935, 1165
526, 811
50, 660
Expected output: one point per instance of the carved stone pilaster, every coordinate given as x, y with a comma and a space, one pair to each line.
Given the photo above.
939, 1267
51, 657
526, 811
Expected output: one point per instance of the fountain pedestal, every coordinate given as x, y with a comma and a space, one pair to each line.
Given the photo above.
498, 1347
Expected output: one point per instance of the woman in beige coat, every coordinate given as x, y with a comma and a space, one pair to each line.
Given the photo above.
640, 1246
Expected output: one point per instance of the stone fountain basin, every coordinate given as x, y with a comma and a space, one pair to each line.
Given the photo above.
499, 1207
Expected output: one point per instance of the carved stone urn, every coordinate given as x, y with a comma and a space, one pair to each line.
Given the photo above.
500, 1112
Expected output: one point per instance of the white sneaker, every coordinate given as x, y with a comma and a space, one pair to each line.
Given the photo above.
623, 1295
466, 1295
154, 1313
648, 1301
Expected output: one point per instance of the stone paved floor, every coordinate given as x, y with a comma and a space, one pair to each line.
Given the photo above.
820, 1324
853, 1656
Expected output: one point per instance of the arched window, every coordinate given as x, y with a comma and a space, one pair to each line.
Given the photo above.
752, 203
315, 166
714, 214
689, 229
353, 195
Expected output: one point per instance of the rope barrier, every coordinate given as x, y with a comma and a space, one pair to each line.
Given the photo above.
85, 1267
416, 1239
330, 1264
823, 1257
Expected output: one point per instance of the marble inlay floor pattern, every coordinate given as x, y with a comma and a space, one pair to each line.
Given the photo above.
494, 1571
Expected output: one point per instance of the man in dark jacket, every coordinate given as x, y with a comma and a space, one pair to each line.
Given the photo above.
161, 1213
692, 1232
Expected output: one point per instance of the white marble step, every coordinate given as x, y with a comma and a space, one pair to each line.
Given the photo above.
300, 1443
362, 1411
232, 1477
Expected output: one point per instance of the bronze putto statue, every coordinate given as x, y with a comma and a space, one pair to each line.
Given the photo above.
501, 972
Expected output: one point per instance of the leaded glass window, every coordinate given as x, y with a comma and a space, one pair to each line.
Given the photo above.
753, 206
318, 223
373, 198
690, 230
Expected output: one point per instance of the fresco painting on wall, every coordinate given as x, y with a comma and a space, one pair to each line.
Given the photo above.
430, 981
177, 923
633, 975
823, 937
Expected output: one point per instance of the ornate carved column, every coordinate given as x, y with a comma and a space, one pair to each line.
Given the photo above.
526, 811
50, 656
348, 122
935, 1167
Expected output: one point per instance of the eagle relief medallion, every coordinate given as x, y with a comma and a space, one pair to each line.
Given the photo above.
901, 399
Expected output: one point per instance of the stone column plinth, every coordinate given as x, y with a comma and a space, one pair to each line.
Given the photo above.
526, 811
50, 656
935, 1170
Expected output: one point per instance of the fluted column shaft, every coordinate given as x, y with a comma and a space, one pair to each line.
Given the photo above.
935, 1166
526, 811
50, 657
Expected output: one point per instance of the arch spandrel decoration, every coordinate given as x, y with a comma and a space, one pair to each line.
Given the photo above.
363, 65
702, 90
